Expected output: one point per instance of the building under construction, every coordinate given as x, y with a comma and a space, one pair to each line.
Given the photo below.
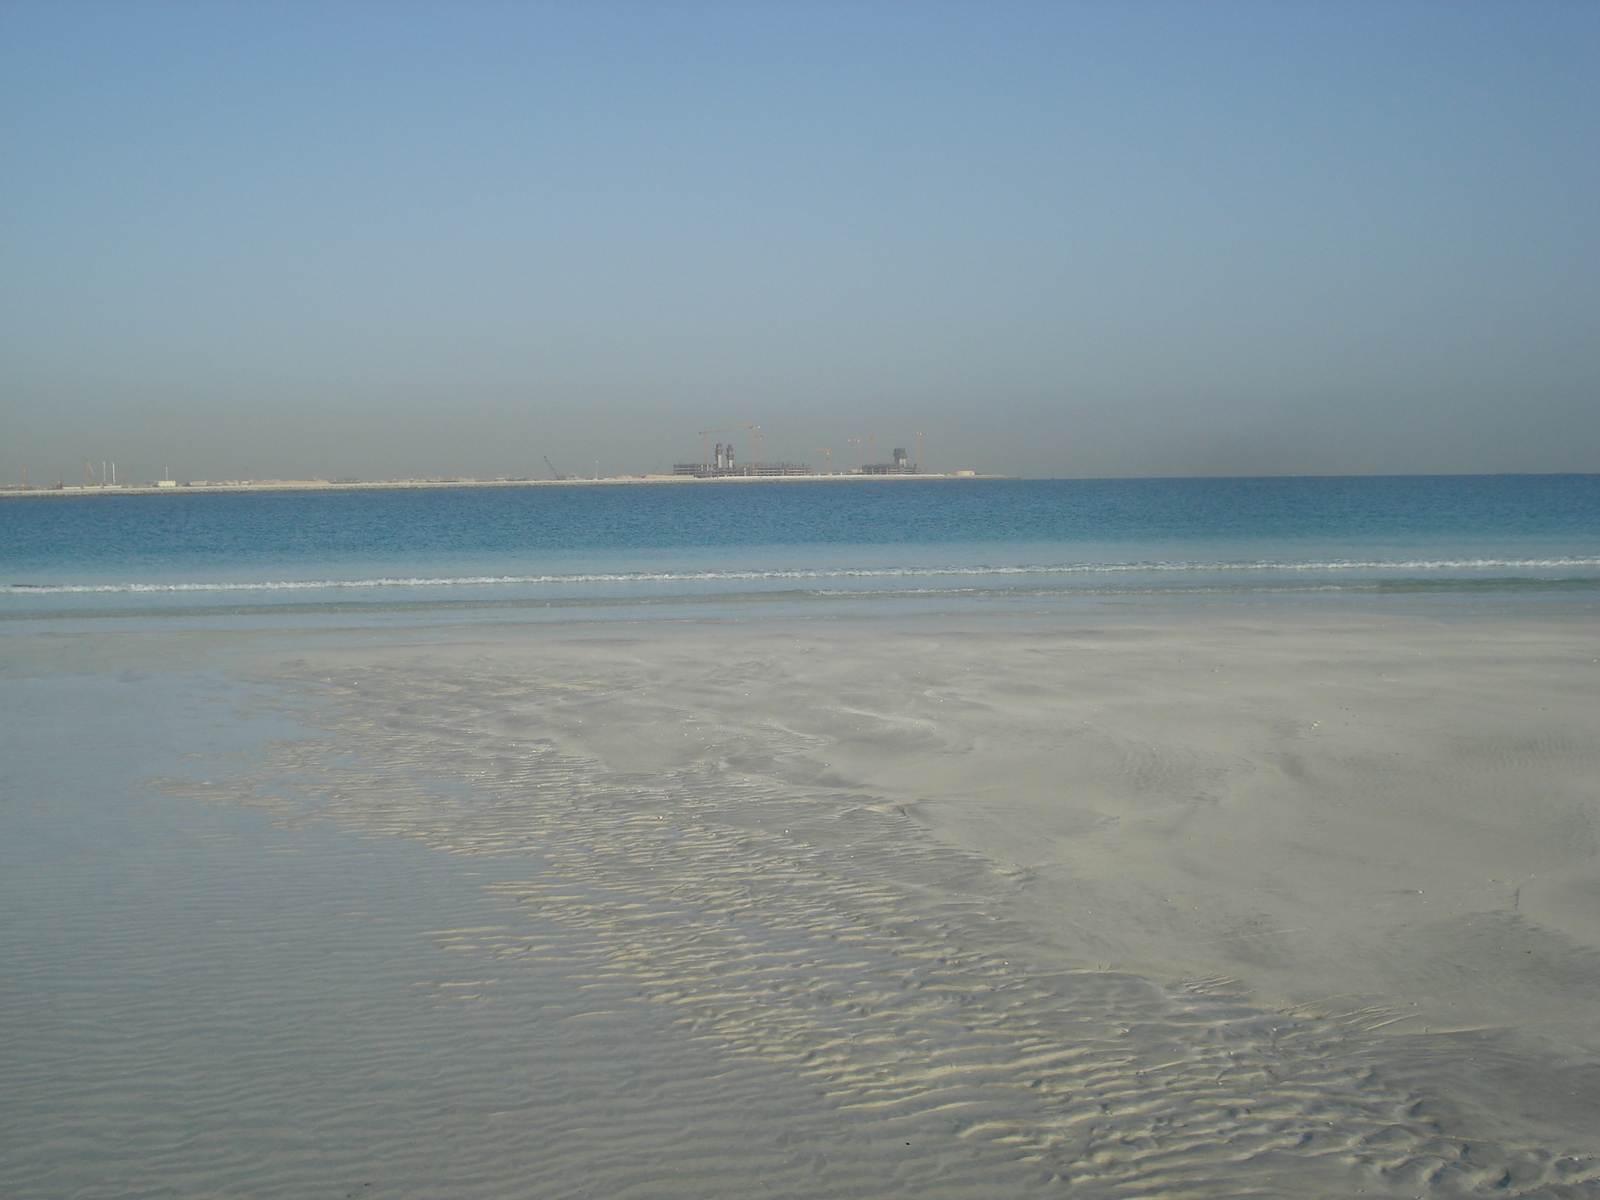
900, 466
723, 466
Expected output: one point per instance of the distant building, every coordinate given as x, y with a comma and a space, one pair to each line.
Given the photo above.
900, 466
722, 466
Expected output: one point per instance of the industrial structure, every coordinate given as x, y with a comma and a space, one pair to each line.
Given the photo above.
721, 462
900, 466
723, 466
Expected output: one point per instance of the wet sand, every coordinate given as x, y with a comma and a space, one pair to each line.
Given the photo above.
1194, 900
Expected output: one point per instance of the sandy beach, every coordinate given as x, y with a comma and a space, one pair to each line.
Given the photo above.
1161, 900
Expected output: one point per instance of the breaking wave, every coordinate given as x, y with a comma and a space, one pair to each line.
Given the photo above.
1423, 567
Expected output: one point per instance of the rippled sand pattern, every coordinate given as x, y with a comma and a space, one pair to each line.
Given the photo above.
823, 934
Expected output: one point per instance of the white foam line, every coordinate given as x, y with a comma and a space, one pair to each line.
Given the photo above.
1429, 565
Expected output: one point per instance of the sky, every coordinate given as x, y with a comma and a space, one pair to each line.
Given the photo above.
383, 240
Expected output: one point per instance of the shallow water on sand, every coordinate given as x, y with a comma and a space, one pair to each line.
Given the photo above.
206, 998
681, 910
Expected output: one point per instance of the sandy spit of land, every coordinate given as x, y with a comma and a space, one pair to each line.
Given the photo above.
381, 485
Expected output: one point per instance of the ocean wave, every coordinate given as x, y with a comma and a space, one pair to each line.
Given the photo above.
1111, 588
1429, 566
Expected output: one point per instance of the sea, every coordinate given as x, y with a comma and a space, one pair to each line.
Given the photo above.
553, 553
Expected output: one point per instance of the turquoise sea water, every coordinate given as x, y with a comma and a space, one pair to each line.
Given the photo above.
409, 553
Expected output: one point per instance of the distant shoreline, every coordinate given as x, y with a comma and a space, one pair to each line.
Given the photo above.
324, 485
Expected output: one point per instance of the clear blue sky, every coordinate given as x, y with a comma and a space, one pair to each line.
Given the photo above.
378, 239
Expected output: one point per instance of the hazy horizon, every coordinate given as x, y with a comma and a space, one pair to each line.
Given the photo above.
1091, 240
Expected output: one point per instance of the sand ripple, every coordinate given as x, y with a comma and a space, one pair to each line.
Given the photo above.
823, 934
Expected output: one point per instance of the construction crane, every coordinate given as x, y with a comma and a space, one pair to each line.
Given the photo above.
754, 457
705, 439
871, 440
764, 438
560, 478
758, 440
